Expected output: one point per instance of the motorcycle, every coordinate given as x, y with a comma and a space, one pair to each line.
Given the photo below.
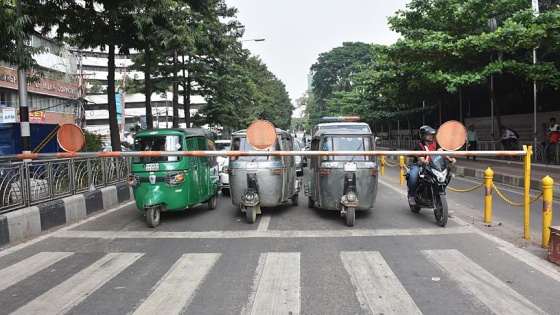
433, 179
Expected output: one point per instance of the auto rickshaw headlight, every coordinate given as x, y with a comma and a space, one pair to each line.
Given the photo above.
174, 179
133, 180
351, 196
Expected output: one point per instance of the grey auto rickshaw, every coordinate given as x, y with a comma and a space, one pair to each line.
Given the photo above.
262, 181
342, 183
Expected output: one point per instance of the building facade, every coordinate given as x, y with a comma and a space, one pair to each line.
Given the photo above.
53, 92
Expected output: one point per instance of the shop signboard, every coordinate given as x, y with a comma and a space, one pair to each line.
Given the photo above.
8, 115
118, 100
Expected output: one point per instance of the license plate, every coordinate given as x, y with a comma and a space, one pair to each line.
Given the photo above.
350, 167
152, 167
252, 165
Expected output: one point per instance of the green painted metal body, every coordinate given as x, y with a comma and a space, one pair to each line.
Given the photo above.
201, 178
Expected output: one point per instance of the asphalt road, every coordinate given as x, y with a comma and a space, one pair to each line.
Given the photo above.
292, 260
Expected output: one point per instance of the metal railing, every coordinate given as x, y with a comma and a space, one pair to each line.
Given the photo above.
23, 184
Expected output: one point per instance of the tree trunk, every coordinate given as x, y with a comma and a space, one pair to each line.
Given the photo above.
492, 92
148, 88
187, 88
175, 92
113, 125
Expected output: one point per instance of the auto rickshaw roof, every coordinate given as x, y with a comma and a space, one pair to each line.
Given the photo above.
243, 132
188, 132
341, 132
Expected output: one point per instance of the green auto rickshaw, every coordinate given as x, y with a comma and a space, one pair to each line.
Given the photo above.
171, 183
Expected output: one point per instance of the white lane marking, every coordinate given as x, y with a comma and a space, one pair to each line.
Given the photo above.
262, 234
539, 264
377, 288
490, 290
27, 267
263, 224
63, 297
277, 283
176, 288
15, 248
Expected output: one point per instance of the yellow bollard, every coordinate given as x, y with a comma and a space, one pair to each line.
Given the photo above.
382, 165
547, 185
489, 176
401, 163
526, 192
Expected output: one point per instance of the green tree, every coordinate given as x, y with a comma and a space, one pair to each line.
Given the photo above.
334, 72
452, 45
13, 28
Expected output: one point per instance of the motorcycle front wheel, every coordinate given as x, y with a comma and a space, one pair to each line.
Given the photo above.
441, 211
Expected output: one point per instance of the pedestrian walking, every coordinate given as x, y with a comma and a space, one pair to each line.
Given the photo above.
552, 137
472, 139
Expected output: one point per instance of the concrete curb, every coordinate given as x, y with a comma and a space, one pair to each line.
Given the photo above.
24, 223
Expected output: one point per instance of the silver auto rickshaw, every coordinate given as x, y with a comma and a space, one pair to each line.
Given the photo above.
342, 183
262, 181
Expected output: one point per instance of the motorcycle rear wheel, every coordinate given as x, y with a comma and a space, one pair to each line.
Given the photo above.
441, 212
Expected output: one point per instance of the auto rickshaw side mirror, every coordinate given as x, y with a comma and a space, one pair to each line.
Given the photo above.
377, 140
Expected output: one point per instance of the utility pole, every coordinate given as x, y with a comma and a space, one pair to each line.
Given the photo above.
22, 88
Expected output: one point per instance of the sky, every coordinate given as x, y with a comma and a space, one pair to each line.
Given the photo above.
297, 31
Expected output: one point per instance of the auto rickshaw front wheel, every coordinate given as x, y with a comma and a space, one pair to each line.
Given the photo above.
213, 202
251, 213
153, 215
295, 200
350, 216
310, 202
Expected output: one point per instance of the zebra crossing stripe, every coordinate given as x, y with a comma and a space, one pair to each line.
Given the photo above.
63, 297
276, 284
265, 221
175, 289
30, 266
377, 288
490, 290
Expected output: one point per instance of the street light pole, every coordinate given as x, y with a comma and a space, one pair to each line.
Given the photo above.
22, 88
535, 4
252, 40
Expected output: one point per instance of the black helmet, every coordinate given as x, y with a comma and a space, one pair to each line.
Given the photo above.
426, 130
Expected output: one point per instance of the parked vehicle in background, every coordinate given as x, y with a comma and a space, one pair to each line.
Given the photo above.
302, 148
223, 145
341, 122
298, 159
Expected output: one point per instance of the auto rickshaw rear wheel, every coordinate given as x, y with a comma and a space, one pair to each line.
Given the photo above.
295, 200
350, 216
153, 215
213, 202
251, 213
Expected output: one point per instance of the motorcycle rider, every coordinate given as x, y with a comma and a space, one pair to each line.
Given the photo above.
427, 143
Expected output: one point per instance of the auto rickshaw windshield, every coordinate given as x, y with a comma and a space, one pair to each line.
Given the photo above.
241, 144
347, 144
157, 143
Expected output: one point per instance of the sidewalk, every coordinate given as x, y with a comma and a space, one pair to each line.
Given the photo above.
508, 172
